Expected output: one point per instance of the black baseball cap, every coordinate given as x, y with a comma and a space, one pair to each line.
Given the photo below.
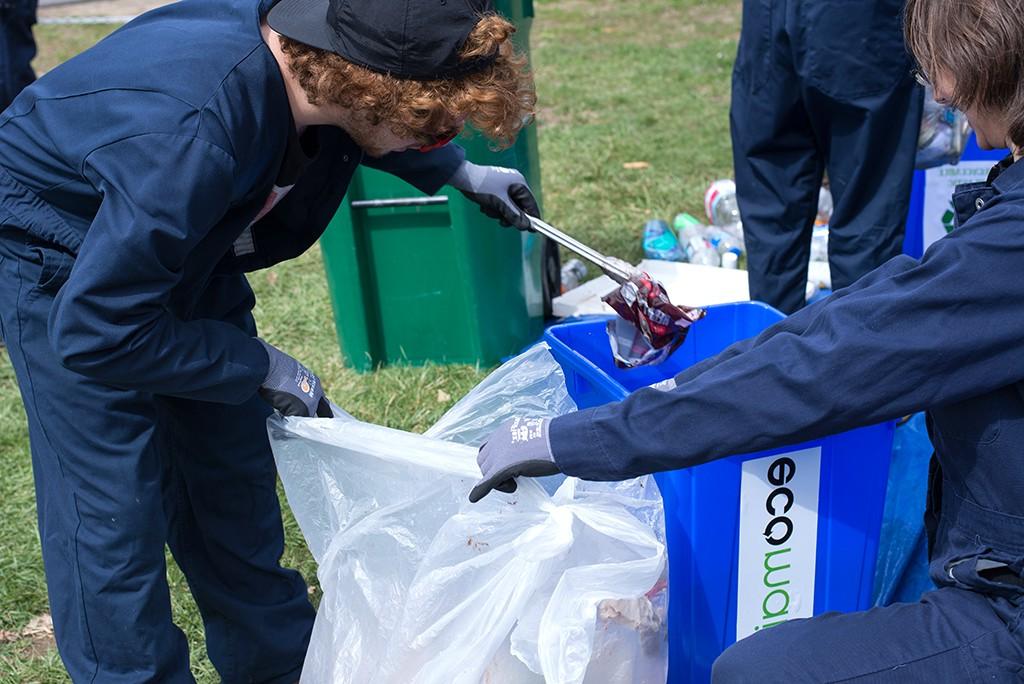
414, 39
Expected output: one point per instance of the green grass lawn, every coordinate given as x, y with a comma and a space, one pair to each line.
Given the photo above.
617, 82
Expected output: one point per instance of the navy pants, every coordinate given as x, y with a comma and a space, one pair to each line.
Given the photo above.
17, 47
821, 85
119, 474
951, 636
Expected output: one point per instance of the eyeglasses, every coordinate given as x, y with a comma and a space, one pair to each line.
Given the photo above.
441, 139
920, 77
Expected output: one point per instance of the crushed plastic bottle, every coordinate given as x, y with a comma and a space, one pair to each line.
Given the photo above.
819, 243
723, 241
700, 251
720, 202
706, 245
687, 226
735, 230
825, 207
659, 242
943, 134
573, 273
819, 275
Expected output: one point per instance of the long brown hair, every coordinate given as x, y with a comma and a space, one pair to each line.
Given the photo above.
497, 100
979, 44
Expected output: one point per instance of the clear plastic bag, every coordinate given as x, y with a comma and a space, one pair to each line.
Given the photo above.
943, 134
530, 385
421, 586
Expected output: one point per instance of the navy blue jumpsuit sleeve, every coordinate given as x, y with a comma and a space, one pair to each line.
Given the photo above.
426, 171
912, 336
794, 324
161, 196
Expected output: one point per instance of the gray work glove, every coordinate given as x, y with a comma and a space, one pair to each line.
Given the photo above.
502, 193
291, 388
519, 447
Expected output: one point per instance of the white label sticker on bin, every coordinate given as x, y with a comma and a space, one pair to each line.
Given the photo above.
778, 539
939, 183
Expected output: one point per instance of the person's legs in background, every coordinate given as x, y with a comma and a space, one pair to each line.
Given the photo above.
865, 108
870, 169
17, 47
822, 84
775, 157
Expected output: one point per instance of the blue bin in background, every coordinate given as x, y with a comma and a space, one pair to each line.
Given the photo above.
712, 532
930, 215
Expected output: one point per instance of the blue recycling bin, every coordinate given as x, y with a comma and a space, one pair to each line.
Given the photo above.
754, 539
930, 215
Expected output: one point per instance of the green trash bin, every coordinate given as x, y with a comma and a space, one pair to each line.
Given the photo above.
414, 278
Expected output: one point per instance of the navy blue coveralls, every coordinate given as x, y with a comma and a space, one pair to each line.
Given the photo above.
130, 178
943, 334
821, 85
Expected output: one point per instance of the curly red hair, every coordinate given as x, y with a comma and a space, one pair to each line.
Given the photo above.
497, 100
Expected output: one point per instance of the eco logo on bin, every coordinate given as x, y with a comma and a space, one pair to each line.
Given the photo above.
778, 539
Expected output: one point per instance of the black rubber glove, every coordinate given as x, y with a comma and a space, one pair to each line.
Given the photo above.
502, 193
291, 388
519, 447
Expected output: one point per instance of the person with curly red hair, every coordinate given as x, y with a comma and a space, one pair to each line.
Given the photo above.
139, 182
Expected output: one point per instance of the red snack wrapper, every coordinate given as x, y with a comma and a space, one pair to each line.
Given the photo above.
651, 328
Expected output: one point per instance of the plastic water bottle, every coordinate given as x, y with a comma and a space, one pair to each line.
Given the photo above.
720, 203
943, 134
723, 241
659, 242
824, 207
734, 229
701, 243
573, 273
687, 226
819, 243
700, 251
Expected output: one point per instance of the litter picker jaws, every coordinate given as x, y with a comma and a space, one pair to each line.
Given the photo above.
652, 327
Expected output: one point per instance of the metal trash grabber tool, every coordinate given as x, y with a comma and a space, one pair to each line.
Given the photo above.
652, 327
616, 269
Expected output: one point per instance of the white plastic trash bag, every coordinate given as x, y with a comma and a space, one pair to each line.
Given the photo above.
531, 385
420, 586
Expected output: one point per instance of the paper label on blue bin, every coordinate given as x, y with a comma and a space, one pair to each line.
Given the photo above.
939, 183
778, 539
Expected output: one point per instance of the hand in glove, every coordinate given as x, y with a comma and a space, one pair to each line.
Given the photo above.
518, 447
502, 193
291, 388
